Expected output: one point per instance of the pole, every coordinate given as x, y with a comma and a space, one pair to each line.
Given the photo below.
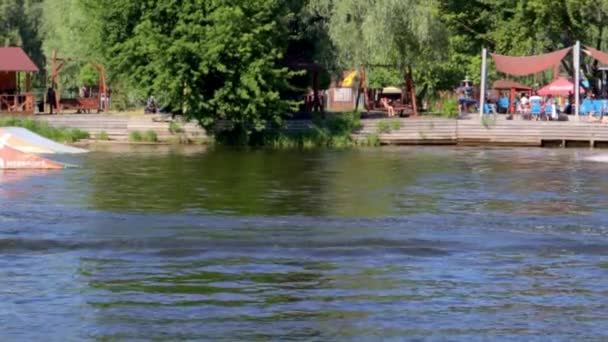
577, 78
482, 97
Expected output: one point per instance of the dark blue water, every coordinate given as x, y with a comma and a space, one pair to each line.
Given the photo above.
379, 244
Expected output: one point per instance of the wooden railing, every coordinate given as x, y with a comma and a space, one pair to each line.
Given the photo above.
17, 104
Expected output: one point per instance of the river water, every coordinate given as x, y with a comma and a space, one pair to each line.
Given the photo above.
438, 243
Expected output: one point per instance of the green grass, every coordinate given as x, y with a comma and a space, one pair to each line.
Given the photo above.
180, 139
387, 126
135, 136
370, 140
395, 125
333, 132
150, 136
446, 107
147, 136
175, 128
60, 134
103, 135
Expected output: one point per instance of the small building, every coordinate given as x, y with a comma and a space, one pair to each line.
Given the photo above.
16, 70
342, 94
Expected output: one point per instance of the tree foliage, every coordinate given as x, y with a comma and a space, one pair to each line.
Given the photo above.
20, 22
212, 60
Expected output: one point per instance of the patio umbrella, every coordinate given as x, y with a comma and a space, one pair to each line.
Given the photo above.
560, 86
391, 90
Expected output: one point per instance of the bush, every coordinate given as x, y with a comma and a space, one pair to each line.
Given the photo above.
175, 128
135, 136
334, 132
102, 136
383, 127
371, 139
180, 139
395, 125
447, 107
149, 136
343, 123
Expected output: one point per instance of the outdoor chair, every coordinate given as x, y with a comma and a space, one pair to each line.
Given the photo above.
536, 109
548, 110
597, 108
488, 109
586, 108
503, 104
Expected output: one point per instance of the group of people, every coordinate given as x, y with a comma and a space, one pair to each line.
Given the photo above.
546, 108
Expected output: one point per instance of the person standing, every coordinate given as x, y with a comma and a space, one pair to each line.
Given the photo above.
51, 99
525, 103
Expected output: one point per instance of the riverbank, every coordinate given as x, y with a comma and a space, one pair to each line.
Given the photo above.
394, 131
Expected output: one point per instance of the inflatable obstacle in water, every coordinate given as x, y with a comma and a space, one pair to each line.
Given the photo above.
19, 146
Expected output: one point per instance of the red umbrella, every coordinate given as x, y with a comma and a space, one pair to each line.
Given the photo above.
560, 86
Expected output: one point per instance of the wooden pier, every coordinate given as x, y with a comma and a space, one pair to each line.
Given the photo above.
498, 132
118, 127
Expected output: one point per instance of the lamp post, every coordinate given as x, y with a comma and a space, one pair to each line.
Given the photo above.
482, 97
577, 78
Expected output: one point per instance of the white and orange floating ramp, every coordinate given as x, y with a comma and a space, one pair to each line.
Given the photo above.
19, 146
12, 159
27, 141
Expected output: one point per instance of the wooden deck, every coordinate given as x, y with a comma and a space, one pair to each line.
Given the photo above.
417, 131
499, 132
118, 127
393, 131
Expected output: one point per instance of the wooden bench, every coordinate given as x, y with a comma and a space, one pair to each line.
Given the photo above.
81, 104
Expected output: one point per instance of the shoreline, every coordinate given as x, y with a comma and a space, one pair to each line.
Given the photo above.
496, 131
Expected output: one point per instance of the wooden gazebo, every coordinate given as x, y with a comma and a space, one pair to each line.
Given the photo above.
512, 87
16, 70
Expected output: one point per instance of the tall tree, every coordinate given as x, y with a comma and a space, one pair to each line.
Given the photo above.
211, 60
20, 25
406, 35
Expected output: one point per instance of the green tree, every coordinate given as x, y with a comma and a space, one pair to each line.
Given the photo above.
20, 25
404, 35
212, 60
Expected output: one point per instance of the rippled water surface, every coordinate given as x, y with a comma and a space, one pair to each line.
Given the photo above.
379, 244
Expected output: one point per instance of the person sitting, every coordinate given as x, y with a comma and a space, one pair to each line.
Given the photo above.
385, 104
151, 106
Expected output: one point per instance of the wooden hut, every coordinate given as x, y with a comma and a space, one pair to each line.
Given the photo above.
16, 70
511, 88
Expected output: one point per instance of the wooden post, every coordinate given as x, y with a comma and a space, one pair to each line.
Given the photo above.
364, 84
103, 89
512, 101
316, 104
54, 84
555, 71
412, 87
29, 98
359, 89
54, 75
28, 82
